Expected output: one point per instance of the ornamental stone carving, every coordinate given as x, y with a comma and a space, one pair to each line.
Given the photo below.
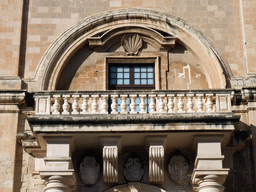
131, 43
178, 168
89, 170
133, 170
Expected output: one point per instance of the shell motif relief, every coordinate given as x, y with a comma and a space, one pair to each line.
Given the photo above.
131, 43
89, 170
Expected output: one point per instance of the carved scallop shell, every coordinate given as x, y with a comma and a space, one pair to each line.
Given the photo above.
131, 43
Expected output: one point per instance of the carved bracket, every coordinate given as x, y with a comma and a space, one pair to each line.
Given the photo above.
110, 159
156, 159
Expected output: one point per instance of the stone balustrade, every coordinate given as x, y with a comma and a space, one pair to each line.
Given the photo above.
139, 102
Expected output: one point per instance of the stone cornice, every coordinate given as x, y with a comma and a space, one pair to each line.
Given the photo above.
225, 118
12, 97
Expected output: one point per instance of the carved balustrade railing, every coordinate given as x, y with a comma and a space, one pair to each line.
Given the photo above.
132, 102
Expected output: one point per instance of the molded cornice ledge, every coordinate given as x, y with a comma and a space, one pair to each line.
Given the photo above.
12, 97
249, 93
9, 100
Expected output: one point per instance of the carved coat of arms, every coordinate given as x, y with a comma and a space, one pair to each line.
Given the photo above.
178, 168
89, 170
133, 170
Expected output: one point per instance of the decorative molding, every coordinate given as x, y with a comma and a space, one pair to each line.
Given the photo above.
131, 43
178, 168
133, 170
89, 170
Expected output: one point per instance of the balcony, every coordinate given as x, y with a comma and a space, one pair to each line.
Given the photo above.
133, 102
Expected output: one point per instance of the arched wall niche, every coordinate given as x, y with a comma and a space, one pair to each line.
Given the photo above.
75, 38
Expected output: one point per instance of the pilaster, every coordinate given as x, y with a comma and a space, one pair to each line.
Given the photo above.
58, 173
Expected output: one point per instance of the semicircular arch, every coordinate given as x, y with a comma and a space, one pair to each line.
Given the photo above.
68, 43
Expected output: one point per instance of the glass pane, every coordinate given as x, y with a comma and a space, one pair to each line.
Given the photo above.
119, 75
150, 75
150, 82
119, 69
143, 69
147, 101
126, 69
150, 68
136, 75
113, 69
112, 81
126, 75
143, 81
128, 104
143, 75
120, 82
126, 81
137, 81
137, 101
113, 75
119, 101
136, 69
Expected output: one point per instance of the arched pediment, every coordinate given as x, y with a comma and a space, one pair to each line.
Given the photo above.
135, 187
99, 30
112, 36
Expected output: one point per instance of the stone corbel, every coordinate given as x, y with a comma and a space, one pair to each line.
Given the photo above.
58, 171
110, 158
156, 158
208, 173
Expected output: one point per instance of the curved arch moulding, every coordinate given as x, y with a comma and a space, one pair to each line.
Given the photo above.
147, 22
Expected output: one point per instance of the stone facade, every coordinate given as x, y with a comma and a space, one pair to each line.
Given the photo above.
189, 125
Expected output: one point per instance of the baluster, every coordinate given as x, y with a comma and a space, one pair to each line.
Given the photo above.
209, 103
160, 105
104, 104
199, 103
85, 104
114, 104
180, 104
133, 104
170, 103
94, 104
65, 105
75, 106
142, 103
123, 104
56, 105
190, 103
152, 104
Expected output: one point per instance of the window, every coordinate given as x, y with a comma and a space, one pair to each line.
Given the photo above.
131, 76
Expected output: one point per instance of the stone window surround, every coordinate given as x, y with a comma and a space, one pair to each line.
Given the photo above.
133, 59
